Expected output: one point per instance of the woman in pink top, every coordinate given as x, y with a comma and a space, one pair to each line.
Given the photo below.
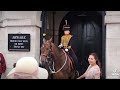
93, 71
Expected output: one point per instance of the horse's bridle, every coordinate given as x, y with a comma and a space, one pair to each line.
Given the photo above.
49, 58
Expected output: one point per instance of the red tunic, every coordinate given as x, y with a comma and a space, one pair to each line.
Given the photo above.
2, 64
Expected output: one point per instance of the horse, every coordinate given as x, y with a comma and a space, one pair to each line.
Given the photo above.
56, 61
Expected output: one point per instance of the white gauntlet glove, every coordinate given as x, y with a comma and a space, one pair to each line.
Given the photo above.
66, 49
61, 45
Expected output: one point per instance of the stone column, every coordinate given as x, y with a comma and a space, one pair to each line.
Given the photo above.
24, 22
112, 20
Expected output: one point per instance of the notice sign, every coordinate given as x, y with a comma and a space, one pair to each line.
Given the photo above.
19, 42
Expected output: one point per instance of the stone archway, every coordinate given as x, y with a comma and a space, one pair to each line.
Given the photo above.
94, 24
88, 31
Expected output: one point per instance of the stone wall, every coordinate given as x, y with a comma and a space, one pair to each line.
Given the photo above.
24, 22
28, 22
58, 16
112, 20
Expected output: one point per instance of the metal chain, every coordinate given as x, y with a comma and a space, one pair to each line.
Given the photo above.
53, 71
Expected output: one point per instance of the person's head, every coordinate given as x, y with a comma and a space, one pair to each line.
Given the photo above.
66, 29
93, 59
27, 68
66, 32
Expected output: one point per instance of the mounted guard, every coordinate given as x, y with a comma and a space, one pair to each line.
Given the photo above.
65, 44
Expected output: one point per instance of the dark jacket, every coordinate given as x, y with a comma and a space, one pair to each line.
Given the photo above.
2, 64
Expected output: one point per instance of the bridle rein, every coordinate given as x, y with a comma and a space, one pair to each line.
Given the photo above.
49, 58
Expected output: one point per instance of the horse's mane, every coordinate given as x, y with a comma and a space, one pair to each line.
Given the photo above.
57, 51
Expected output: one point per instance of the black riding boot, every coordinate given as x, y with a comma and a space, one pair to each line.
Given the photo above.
75, 63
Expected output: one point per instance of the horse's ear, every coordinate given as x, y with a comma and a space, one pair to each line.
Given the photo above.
50, 40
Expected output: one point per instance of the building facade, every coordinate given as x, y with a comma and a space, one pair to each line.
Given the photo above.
96, 31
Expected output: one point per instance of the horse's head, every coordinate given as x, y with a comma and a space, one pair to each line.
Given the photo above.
46, 51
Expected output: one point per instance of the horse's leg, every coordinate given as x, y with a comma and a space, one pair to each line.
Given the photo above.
72, 74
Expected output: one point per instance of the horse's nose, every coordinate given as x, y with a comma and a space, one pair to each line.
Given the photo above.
41, 65
40, 62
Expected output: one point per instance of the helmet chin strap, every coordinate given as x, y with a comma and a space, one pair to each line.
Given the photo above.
66, 22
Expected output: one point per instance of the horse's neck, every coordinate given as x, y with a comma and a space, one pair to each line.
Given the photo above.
58, 55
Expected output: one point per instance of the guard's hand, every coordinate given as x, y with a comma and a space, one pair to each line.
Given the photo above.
66, 49
60, 46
